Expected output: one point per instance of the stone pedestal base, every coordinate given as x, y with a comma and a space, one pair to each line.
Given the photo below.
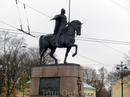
68, 78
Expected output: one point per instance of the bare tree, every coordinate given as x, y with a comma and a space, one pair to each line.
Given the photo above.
11, 55
31, 58
101, 82
97, 80
90, 75
15, 59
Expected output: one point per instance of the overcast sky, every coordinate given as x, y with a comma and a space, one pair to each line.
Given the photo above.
102, 19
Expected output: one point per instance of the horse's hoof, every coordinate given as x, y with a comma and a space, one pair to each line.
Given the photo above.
56, 63
73, 55
65, 62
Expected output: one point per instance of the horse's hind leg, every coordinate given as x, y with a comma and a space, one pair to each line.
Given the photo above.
51, 54
41, 54
66, 55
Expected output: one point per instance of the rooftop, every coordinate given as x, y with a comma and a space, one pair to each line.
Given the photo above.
88, 86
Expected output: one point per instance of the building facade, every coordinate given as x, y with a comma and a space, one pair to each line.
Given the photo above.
1, 74
89, 91
117, 88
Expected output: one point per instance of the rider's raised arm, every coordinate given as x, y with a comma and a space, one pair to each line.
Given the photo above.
56, 17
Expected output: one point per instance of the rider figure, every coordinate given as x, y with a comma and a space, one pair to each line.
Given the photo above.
60, 24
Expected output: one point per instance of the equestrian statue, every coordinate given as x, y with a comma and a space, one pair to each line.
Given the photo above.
63, 36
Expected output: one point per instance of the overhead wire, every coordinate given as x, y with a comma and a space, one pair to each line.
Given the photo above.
83, 38
120, 5
103, 40
50, 17
17, 28
34, 9
31, 31
19, 14
94, 40
9, 25
94, 61
99, 63
21, 21
69, 5
27, 18
106, 45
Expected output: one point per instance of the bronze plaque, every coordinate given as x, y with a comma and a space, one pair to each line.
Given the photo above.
49, 86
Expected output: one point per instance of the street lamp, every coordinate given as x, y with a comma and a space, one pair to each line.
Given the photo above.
0, 79
121, 68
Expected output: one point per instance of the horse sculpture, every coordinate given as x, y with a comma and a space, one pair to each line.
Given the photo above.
66, 40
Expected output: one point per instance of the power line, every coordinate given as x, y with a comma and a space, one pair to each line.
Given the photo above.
21, 21
85, 57
19, 14
9, 25
27, 18
36, 36
69, 9
107, 45
120, 5
82, 38
31, 31
103, 41
17, 28
99, 63
94, 61
49, 17
89, 59
34, 9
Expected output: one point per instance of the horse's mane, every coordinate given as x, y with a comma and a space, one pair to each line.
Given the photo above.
72, 23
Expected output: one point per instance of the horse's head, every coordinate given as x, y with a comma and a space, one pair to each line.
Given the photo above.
77, 27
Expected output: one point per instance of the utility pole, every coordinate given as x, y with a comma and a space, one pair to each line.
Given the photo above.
122, 77
0, 79
69, 12
121, 67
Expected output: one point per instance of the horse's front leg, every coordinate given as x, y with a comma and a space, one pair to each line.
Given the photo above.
76, 47
51, 54
66, 55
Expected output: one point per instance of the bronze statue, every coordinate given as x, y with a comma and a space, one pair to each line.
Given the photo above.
60, 25
79, 83
66, 39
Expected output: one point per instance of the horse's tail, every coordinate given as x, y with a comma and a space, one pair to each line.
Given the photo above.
41, 43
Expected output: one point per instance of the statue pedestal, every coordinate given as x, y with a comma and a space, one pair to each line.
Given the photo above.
62, 80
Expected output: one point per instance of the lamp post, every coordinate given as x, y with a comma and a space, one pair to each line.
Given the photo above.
0, 79
120, 67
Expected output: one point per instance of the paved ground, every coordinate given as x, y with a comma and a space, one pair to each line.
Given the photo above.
20, 93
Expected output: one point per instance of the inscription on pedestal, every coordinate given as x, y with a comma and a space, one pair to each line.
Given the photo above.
49, 86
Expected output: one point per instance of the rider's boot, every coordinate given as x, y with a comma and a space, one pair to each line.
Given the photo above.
57, 38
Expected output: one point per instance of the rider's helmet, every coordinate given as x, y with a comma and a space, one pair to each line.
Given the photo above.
62, 11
